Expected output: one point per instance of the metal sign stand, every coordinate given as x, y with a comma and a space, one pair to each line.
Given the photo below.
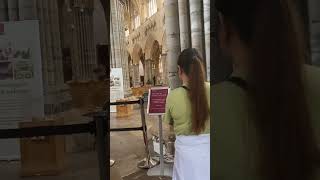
161, 146
147, 162
163, 169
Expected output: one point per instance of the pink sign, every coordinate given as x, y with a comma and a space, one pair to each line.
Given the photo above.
157, 100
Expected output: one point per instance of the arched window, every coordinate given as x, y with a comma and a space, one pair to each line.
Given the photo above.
136, 21
152, 7
127, 32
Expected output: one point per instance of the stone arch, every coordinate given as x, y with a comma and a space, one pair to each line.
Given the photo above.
152, 62
129, 59
163, 60
164, 43
131, 70
136, 54
148, 46
155, 51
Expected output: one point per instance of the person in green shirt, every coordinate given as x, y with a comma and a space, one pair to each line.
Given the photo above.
266, 114
188, 111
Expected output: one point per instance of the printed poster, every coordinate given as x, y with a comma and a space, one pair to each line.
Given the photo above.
116, 87
21, 89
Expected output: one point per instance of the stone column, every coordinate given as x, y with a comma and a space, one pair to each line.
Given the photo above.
315, 31
76, 61
27, 10
43, 41
112, 39
206, 17
115, 46
85, 60
13, 8
196, 19
83, 45
136, 75
3, 10
184, 22
92, 46
164, 77
57, 52
173, 41
50, 64
119, 54
148, 71
125, 63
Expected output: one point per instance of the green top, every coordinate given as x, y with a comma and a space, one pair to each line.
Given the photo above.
233, 143
178, 111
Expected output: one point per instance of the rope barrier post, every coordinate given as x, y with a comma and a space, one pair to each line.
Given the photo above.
147, 162
161, 146
101, 126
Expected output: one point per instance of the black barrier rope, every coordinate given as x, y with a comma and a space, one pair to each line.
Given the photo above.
140, 101
94, 127
64, 129
127, 129
48, 131
52, 130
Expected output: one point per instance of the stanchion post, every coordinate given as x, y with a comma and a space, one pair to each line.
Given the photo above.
147, 162
101, 127
144, 124
161, 146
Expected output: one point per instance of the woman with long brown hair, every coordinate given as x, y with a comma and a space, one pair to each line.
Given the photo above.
264, 115
188, 110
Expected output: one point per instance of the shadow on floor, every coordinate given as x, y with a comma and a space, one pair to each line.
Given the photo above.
142, 175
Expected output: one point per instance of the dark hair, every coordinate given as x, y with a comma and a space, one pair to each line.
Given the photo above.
286, 139
190, 63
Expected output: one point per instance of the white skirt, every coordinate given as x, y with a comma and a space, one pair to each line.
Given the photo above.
192, 158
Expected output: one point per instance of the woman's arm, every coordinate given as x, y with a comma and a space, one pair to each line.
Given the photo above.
168, 125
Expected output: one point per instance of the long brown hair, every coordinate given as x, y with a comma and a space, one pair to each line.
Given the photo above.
287, 145
190, 62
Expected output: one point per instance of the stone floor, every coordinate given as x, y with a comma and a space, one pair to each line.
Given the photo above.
127, 148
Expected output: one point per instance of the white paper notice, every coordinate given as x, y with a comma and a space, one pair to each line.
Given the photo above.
21, 90
116, 87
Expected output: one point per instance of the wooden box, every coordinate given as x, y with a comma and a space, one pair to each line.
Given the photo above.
138, 92
124, 110
42, 155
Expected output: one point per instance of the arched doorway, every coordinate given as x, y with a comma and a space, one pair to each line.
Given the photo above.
130, 67
155, 63
142, 64
152, 61
137, 62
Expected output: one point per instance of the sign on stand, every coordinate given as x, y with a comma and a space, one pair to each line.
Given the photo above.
21, 89
157, 107
116, 87
157, 100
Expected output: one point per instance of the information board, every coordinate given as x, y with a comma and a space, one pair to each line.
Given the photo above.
21, 89
157, 100
116, 87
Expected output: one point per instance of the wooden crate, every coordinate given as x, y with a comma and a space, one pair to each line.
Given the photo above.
124, 110
138, 92
42, 155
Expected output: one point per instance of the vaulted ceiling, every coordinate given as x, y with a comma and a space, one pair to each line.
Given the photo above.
133, 7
